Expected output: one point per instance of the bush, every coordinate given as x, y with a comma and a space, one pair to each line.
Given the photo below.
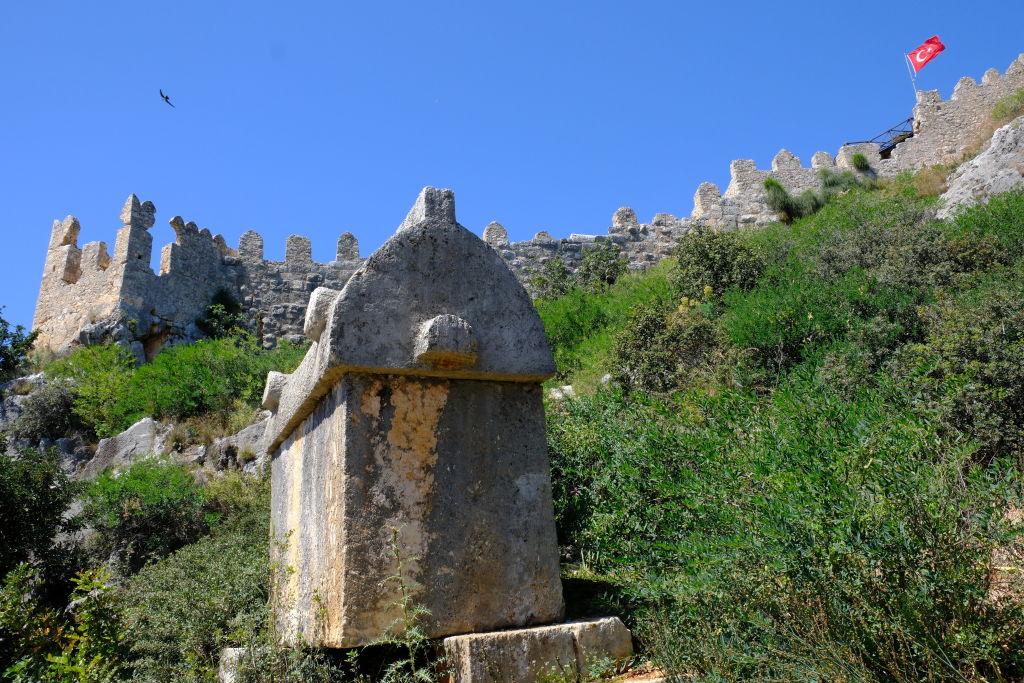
144, 513
969, 370
223, 317
995, 229
180, 611
661, 351
582, 327
15, 345
34, 494
790, 208
552, 280
208, 376
893, 239
1008, 108
82, 645
710, 262
47, 413
793, 313
602, 265
183, 381
799, 536
860, 162
101, 376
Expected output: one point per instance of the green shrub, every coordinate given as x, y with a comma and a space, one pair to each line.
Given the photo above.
661, 351
551, 280
101, 376
969, 370
145, 512
894, 239
709, 262
208, 376
84, 644
581, 327
182, 381
793, 313
798, 536
790, 208
1008, 108
180, 611
34, 494
602, 265
860, 162
47, 413
223, 317
995, 228
15, 345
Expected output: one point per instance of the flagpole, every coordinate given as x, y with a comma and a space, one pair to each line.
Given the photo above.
910, 70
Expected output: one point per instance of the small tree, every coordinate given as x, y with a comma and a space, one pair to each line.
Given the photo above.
15, 344
602, 266
146, 512
710, 262
224, 316
34, 493
551, 280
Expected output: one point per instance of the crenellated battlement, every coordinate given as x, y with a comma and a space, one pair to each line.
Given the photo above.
88, 294
944, 131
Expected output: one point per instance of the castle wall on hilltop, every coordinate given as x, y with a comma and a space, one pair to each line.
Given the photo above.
87, 295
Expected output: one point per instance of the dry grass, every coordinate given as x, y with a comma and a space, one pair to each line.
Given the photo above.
205, 429
931, 181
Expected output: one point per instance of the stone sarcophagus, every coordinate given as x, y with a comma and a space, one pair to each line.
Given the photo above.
408, 448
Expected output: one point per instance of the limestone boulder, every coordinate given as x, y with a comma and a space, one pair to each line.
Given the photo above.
1000, 168
143, 439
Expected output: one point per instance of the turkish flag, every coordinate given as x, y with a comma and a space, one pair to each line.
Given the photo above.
928, 50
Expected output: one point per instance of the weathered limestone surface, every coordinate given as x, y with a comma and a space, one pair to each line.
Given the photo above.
540, 653
1000, 168
88, 295
410, 443
143, 439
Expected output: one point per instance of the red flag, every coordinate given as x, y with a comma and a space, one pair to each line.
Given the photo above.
928, 50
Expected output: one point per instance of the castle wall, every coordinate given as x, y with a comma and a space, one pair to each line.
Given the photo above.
88, 296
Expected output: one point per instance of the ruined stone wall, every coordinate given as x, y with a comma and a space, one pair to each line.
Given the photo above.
944, 132
88, 296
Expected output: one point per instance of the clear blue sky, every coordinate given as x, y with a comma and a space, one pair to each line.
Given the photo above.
316, 118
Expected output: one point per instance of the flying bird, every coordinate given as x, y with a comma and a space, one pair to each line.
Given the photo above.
166, 98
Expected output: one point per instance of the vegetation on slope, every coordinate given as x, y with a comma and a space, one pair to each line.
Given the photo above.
209, 378
811, 470
805, 466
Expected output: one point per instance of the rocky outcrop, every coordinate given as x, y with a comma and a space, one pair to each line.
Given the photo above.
143, 439
1000, 168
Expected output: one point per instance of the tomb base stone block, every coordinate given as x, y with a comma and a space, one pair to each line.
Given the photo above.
573, 651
